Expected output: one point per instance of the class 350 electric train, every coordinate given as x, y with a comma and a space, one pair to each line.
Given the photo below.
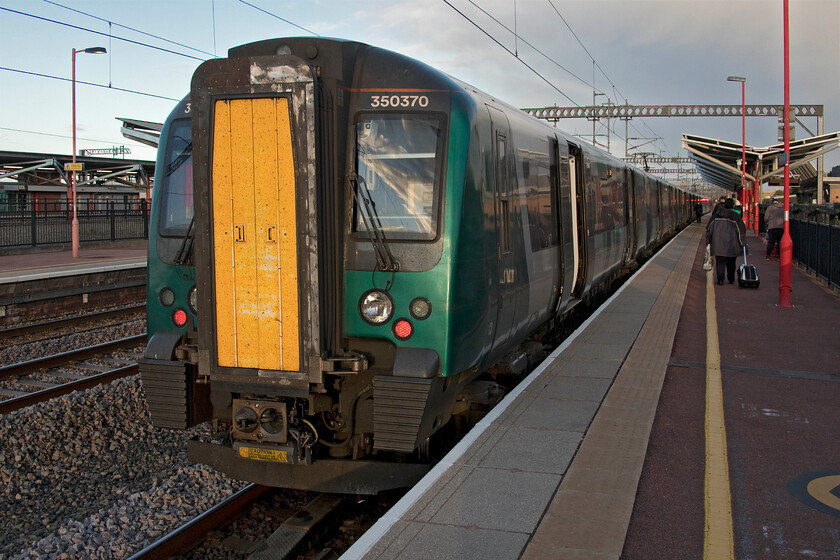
345, 241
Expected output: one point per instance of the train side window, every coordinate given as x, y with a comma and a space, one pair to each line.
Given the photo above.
539, 172
502, 187
501, 171
506, 229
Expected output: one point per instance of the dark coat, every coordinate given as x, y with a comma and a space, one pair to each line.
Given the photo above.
725, 234
719, 207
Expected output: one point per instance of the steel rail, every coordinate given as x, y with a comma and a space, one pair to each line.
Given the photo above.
194, 532
67, 321
56, 360
16, 403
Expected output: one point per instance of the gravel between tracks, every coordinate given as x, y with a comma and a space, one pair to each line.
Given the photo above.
21, 350
87, 476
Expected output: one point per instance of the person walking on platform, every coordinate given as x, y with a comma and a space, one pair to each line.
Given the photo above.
725, 236
698, 211
717, 209
739, 209
774, 218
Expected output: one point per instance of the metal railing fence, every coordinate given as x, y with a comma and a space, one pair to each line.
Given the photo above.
30, 224
816, 243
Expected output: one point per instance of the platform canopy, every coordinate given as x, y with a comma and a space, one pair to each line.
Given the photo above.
145, 132
48, 171
719, 161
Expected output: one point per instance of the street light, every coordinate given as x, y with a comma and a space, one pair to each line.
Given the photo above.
75, 224
786, 243
743, 133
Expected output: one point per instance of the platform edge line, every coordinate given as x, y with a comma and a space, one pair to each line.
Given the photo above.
718, 539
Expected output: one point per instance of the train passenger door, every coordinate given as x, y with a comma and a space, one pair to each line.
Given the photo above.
579, 233
503, 194
630, 213
556, 181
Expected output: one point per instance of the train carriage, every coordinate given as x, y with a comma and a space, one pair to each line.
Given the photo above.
370, 236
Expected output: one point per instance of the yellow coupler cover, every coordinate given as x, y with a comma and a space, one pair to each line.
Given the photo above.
254, 235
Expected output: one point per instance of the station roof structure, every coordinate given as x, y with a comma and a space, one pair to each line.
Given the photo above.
719, 161
30, 169
145, 132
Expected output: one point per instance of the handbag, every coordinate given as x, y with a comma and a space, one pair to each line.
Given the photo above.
707, 261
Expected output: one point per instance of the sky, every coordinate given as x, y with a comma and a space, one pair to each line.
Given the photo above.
641, 52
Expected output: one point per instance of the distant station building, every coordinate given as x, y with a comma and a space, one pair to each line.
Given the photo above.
831, 185
41, 181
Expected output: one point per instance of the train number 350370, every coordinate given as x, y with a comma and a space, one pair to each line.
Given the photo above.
399, 101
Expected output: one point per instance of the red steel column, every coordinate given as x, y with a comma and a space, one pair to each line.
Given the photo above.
74, 225
786, 244
756, 199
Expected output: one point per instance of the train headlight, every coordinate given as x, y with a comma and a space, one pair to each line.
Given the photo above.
376, 307
192, 300
420, 308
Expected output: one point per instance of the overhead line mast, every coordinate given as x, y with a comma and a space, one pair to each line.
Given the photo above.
609, 111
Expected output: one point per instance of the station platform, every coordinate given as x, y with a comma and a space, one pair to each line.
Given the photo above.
683, 420
39, 285
40, 265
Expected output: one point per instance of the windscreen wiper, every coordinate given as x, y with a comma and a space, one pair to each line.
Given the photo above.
384, 258
184, 255
185, 154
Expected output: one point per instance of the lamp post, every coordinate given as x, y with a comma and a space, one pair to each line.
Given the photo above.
786, 243
75, 224
743, 134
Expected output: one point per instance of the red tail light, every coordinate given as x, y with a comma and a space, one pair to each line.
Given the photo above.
179, 317
403, 329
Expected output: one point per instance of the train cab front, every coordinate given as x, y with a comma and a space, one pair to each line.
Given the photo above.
168, 372
318, 251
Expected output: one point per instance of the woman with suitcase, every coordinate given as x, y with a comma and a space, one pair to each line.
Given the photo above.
725, 235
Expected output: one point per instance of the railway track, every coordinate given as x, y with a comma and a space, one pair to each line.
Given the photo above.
73, 321
47, 378
195, 531
287, 537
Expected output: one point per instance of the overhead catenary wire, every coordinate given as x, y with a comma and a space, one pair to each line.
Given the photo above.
111, 37
616, 93
528, 66
152, 35
41, 75
112, 142
93, 31
582, 45
516, 55
516, 35
598, 66
278, 17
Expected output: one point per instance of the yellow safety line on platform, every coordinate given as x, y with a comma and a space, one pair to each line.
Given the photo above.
719, 539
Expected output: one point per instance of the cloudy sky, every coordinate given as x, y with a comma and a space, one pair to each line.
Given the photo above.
642, 52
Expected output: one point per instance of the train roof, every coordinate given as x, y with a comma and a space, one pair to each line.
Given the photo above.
376, 66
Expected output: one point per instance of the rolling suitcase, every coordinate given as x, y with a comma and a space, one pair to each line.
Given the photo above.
747, 274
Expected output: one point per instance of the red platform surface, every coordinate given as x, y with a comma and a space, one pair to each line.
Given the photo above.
781, 383
44, 262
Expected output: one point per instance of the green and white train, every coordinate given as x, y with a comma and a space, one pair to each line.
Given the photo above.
345, 239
